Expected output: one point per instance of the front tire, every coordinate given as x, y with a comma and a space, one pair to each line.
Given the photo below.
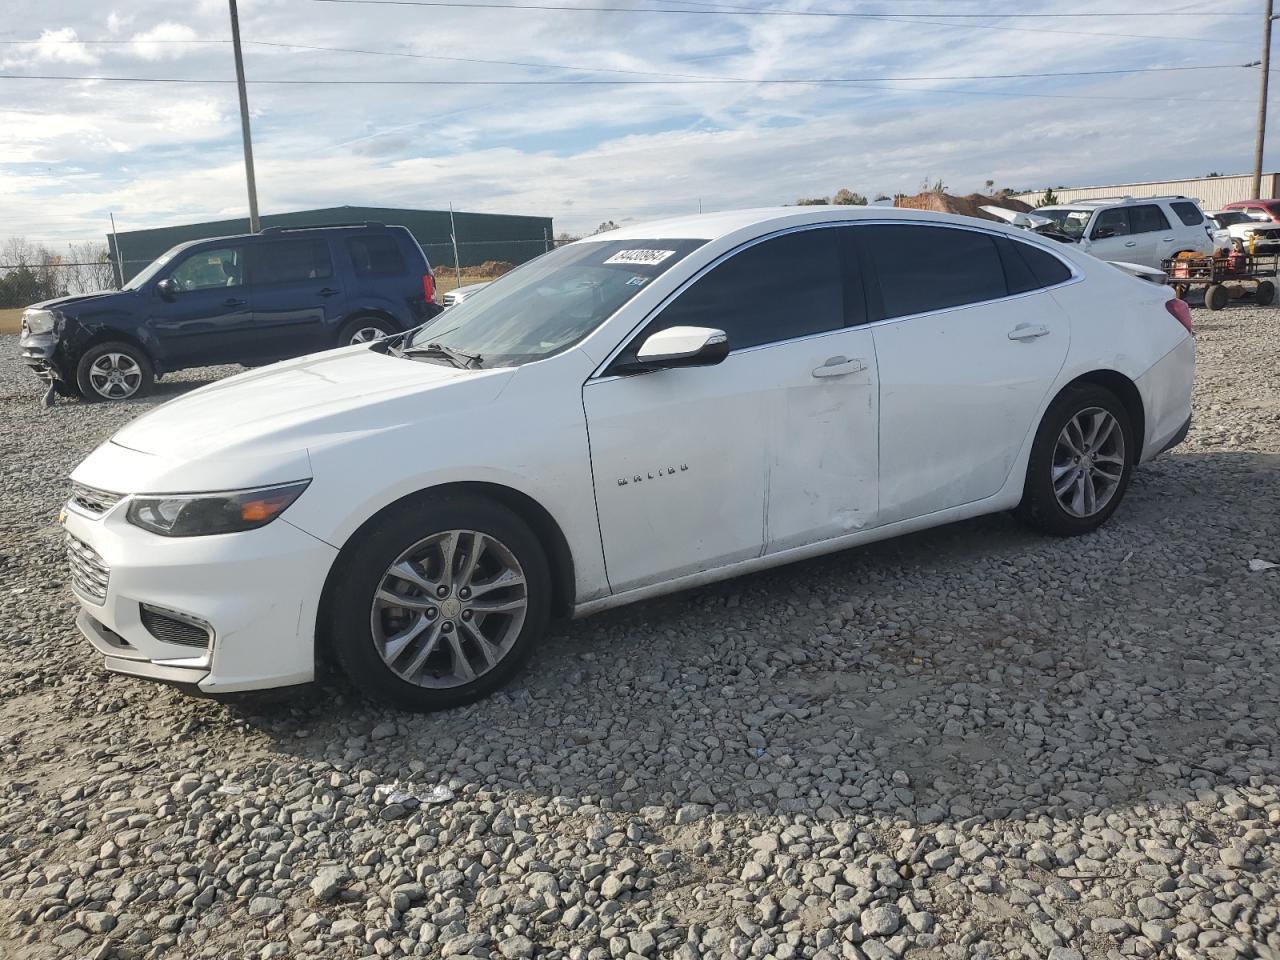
1080, 464
438, 603
114, 371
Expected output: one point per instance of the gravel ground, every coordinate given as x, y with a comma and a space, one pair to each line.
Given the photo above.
969, 743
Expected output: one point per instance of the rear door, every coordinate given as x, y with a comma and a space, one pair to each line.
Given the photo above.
1155, 236
297, 298
968, 339
209, 313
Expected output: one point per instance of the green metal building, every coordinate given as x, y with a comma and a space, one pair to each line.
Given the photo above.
481, 236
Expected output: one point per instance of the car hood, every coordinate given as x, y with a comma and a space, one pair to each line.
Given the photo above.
99, 295
290, 406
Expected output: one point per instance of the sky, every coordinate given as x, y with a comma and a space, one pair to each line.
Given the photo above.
155, 154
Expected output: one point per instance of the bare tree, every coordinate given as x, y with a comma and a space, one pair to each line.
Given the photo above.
89, 267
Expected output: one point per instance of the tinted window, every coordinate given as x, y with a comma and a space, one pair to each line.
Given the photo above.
1147, 218
779, 289
289, 261
376, 255
1187, 212
205, 269
1111, 223
1047, 269
924, 268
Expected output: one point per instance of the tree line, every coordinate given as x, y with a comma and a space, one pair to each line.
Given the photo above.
32, 272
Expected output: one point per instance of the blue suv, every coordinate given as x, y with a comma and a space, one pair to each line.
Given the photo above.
249, 299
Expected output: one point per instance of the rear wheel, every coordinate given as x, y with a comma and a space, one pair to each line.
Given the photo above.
114, 371
1080, 464
364, 330
1216, 296
438, 603
1265, 292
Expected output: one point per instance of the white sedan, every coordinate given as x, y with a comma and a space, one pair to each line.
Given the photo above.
620, 418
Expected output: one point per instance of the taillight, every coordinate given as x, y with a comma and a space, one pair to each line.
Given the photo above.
428, 287
1180, 311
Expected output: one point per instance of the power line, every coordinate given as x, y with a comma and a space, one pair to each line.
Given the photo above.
725, 11
685, 81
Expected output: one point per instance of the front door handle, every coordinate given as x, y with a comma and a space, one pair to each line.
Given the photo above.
1028, 331
232, 302
329, 292
1167, 240
1131, 243
839, 367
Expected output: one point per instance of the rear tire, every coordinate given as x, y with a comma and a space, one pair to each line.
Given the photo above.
442, 648
1081, 462
114, 371
364, 330
1216, 296
1265, 292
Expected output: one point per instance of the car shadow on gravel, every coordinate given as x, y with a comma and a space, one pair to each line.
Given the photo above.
973, 669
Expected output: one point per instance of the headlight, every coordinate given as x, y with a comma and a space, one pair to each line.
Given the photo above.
199, 515
39, 321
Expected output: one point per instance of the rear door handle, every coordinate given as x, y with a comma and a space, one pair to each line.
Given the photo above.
1131, 243
1028, 331
329, 292
1167, 240
233, 302
839, 367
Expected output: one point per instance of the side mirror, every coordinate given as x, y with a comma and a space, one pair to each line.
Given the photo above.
166, 288
682, 347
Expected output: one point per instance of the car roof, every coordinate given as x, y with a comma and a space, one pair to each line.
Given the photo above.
713, 226
274, 233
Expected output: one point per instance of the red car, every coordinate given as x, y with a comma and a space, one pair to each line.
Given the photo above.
1265, 208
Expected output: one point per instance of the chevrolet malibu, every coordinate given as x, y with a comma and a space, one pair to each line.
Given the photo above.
623, 417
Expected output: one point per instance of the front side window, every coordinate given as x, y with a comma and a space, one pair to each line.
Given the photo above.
1147, 218
779, 289
1187, 212
377, 255
550, 303
290, 261
1111, 223
923, 268
206, 269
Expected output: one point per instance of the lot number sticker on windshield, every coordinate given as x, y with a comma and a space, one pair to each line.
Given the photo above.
640, 256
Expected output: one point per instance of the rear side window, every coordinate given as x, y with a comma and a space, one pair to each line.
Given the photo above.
741, 296
1030, 268
377, 255
1147, 218
1187, 212
923, 268
290, 261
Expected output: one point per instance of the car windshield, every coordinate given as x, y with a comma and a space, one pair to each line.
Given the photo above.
550, 303
1229, 218
150, 270
1069, 221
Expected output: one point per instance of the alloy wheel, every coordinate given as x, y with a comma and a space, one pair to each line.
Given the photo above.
1088, 462
367, 334
449, 609
115, 376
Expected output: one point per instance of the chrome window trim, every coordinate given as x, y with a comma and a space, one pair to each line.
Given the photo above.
599, 375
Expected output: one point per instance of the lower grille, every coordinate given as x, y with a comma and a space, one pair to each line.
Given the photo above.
170, 628
89, 572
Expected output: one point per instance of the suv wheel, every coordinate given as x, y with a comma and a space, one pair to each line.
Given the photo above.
363, 330
114, 371
438, 603
1080, 462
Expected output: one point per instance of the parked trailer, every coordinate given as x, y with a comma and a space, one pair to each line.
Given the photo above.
1224, 278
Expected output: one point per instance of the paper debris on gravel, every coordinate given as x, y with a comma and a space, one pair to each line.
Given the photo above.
1257, 565
409, 796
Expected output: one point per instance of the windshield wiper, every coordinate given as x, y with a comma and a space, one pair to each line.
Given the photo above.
459, 359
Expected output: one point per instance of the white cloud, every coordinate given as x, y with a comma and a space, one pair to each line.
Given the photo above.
164, 41
60, 46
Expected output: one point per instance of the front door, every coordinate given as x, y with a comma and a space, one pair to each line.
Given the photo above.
702, 467
208, 312
969, 341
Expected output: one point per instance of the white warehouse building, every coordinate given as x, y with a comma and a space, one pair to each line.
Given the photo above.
1212, 192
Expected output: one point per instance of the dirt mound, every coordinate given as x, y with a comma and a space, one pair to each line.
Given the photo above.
969, 206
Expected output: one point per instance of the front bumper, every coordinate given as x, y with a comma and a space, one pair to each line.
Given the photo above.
42, 353
258, 591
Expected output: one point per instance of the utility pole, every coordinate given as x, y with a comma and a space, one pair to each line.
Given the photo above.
1262, 104
254, 224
